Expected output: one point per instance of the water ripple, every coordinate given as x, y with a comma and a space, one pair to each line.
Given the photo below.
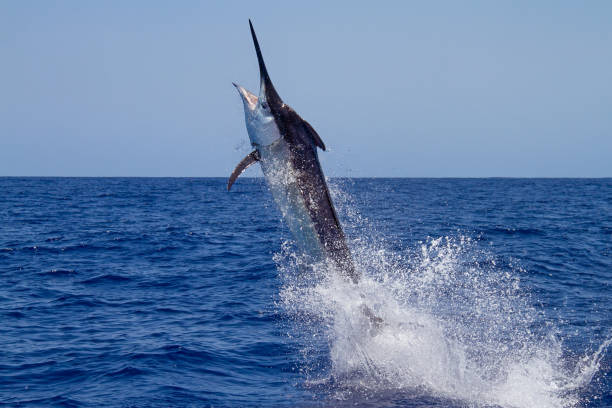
167, 292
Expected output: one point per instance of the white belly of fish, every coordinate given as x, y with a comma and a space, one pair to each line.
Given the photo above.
280, 175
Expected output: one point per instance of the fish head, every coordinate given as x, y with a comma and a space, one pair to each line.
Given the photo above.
261, 112
260, 121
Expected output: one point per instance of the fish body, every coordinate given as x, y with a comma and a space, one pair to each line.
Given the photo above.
286, 146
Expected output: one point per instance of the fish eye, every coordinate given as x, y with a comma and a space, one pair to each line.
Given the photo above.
264, 105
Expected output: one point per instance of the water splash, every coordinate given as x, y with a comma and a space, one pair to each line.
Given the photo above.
457, 325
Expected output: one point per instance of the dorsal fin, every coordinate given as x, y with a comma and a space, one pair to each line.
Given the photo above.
316, 139
266, 83
304, 130
242, 166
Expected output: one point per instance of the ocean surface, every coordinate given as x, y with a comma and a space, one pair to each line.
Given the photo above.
155, 292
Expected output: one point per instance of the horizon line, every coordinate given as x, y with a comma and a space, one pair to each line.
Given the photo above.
332, 177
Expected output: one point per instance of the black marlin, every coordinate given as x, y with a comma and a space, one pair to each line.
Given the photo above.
286, 148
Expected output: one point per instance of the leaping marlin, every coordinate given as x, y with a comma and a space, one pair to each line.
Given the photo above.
286, 148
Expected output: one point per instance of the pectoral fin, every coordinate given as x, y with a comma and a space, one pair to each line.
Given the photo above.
242, 166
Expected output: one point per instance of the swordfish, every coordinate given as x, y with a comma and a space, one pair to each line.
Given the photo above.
285, 145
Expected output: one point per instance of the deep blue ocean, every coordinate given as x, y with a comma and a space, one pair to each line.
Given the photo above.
173, 292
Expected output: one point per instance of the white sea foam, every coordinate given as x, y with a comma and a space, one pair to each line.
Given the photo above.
456, 324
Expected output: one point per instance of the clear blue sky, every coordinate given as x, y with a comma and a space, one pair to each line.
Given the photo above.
143, 88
